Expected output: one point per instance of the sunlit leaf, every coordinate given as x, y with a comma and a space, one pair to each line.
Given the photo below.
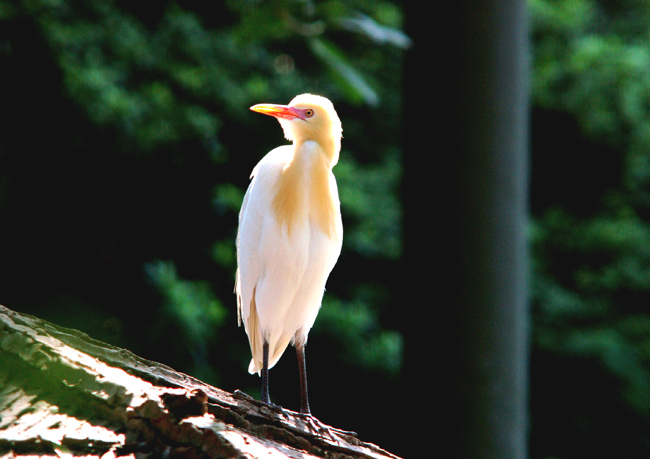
350, 80
377, 32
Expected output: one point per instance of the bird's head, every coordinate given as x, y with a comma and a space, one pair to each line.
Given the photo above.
308, 117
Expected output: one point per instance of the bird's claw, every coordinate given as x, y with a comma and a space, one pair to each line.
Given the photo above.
273, 407
323, 430
269, 405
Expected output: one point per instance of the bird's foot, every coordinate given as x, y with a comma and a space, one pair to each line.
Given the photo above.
261, 403
317, 427
273, 407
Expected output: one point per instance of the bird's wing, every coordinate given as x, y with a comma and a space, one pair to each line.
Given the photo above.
238, 289
247, 265
253, 216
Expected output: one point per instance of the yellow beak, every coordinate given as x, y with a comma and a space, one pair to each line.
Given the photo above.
279, 111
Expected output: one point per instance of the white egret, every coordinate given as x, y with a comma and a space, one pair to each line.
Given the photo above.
290, 235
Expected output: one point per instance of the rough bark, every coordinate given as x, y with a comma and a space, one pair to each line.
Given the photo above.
63, 393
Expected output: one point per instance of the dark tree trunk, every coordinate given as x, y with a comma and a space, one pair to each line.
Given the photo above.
465, 315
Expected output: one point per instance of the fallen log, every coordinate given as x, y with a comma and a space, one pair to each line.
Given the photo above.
63, 393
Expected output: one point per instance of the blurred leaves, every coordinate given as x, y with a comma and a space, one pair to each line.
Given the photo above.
358, 337
129, 150
192, 303
343, 73
591, 231
379, 33
194, 309
369, 198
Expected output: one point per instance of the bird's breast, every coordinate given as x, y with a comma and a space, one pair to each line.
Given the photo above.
306, 194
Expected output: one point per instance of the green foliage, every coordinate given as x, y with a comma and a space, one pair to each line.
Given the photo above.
591, 283
369, 198
358, 336
196, 311
129, 153
344, 73
192, 303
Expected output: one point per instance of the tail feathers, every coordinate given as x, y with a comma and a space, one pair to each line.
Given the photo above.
277, 344
276, 349
255, 338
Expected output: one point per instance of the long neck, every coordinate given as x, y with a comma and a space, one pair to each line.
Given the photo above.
304, 192
329, 144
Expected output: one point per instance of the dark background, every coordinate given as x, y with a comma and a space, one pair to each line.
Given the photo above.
126, 146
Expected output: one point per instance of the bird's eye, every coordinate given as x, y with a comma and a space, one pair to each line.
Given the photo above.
309, 113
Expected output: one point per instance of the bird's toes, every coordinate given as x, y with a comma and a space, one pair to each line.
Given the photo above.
317, 427
273, 407
276, 408
241, 395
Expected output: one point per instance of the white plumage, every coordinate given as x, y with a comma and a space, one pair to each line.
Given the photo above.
290, 233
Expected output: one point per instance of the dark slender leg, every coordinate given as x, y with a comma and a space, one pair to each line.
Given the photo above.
302, 367
265, 373
312, 422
